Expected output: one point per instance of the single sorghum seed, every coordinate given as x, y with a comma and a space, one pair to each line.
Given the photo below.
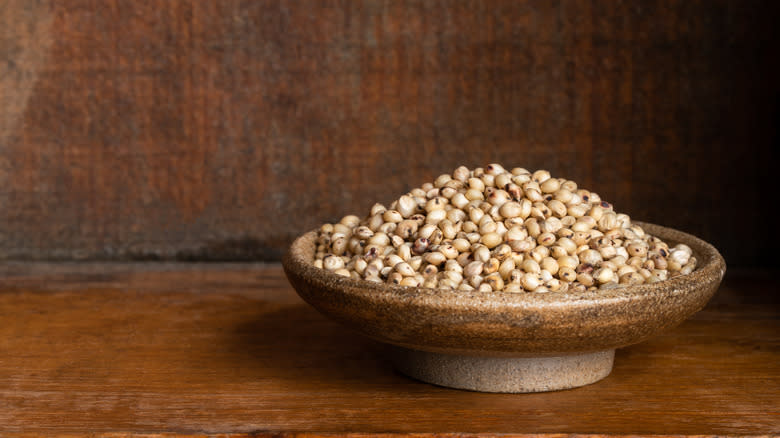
434, 258
482, 253
567, 274
495, 281
604, 275
430, 270
332, 262
420, 245
531, 266
491, 240
491, 266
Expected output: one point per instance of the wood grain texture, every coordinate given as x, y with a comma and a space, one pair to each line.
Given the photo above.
205, 130
226, 348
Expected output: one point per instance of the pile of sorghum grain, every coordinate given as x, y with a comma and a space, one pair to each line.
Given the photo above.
490, 229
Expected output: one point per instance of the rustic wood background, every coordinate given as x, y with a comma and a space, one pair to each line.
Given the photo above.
213, 130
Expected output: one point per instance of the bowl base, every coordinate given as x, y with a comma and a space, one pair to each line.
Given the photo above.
504, 374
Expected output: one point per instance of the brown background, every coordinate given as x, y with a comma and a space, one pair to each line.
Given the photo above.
221, 129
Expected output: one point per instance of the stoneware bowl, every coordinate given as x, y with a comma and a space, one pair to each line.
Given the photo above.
507, 342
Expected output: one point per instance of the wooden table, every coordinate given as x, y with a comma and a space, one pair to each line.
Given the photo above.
230, 348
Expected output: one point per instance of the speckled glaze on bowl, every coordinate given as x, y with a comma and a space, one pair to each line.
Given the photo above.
507, 342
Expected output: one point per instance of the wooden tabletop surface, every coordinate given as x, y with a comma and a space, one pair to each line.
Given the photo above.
230, 348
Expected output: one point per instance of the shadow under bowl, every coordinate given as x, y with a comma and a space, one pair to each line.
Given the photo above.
507, 342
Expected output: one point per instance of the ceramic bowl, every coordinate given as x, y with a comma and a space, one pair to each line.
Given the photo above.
507, 342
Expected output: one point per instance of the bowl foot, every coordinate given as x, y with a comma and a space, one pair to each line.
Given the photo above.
504, 374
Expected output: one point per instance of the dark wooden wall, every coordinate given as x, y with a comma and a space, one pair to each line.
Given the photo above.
221, 129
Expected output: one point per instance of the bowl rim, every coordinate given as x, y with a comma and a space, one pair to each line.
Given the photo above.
711, 264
